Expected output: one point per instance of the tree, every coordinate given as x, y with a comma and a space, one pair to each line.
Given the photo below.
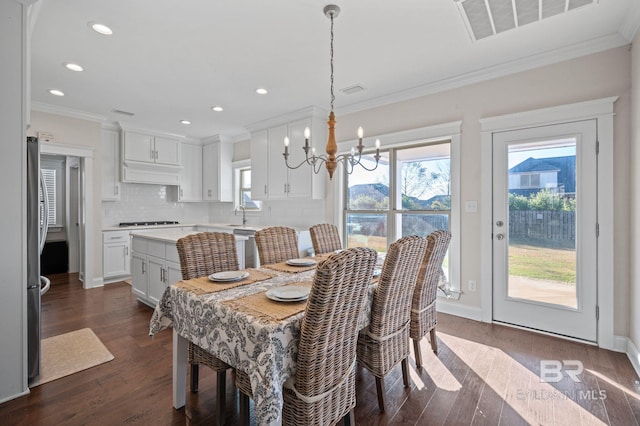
424, 179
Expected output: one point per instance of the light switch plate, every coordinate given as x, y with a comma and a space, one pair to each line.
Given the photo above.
471, 206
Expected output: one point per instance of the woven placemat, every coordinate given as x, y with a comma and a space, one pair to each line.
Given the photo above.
283, 267
203, 285
259, 305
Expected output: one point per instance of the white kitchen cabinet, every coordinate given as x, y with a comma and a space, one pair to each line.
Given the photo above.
217, 172
270, 178
259, 165
139, 275
149, 158
155, 266
146, 148
110, 165
116, 258
190, 187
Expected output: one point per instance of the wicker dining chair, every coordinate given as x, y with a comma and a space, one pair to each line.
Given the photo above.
277, 244
385, 341
325, 238
323, 389
200, 255
423, 304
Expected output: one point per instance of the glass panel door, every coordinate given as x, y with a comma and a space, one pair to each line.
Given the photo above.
544, 228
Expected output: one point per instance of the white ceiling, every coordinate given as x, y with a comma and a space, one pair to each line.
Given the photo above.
170, 60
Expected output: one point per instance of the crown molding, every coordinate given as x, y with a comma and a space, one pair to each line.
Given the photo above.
67, 112
241, 137
589, 47
311, 111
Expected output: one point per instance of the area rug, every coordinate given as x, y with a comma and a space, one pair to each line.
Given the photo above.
69, 353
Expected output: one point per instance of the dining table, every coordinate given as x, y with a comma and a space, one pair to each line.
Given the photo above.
239, 323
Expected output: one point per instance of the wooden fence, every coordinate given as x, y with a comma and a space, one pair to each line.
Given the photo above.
548, 225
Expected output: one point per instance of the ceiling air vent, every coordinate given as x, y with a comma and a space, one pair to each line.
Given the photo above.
485, 18
352, 89
119, 111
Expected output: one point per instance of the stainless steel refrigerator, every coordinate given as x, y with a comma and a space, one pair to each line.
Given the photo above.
37, 224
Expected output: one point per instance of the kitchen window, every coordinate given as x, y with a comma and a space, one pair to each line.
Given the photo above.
243, 185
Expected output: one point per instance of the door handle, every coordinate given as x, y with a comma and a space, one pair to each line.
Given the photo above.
499, 224
500, 236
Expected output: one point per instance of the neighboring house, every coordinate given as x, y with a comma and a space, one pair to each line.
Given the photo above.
557, 174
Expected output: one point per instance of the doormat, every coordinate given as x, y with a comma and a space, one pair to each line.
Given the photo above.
69, 353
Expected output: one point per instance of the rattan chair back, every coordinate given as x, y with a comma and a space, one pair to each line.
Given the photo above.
277, 244
206, 253
328, 337
325, 238
201, 255
423, 304
385, 342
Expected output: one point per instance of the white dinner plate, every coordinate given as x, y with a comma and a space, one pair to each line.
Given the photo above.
227, 276
301, 262
289, 293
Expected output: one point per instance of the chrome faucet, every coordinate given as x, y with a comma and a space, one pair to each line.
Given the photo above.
244, 215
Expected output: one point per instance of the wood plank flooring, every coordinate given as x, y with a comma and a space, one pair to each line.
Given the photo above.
483, 375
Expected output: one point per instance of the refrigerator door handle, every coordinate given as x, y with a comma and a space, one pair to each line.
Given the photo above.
47, 284
45, 220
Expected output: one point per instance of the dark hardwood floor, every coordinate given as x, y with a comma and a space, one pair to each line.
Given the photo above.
483, 375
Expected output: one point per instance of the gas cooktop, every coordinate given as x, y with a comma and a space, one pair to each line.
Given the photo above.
148, 223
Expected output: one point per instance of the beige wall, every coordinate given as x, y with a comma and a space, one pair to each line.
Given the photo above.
596, 76
634, 330
87, 134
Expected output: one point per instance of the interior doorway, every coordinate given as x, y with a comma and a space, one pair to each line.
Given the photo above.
61, 252
85, 228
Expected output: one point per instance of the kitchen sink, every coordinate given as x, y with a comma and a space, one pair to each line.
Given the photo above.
244, 231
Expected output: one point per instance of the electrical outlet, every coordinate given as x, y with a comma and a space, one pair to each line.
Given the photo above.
472, 285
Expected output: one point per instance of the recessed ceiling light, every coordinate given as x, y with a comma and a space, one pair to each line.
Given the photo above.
100, 28
185, 122
261, 91
217, 108
73, 67
56, 92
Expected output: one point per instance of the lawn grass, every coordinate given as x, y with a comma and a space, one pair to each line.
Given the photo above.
543, 263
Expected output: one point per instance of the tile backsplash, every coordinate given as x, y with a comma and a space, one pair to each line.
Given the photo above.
150, 202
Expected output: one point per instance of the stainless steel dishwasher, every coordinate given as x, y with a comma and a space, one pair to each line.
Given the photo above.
250, 250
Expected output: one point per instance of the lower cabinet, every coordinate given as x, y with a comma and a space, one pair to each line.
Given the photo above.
154, 266
115, 255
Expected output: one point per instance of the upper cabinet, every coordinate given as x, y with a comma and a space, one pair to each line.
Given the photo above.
270, 177
190, 187
151, 149
110, 164
150, 158
217, 172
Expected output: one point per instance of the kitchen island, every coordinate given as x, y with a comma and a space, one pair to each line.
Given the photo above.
155, 263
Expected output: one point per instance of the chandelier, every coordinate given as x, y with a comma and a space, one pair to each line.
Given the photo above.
330, 160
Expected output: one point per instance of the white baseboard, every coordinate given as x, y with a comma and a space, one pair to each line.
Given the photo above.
96, 282
447, 307
634, 356
18, 395
620, 344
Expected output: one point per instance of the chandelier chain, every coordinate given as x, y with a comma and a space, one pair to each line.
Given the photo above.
331, 159
333, 96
